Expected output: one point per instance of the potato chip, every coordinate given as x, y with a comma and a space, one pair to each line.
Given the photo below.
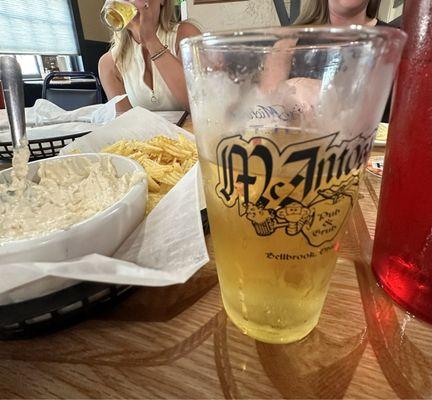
165, 160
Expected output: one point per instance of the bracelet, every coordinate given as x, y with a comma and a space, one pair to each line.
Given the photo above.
160, 53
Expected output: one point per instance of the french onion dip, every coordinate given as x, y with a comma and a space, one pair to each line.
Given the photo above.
66, 192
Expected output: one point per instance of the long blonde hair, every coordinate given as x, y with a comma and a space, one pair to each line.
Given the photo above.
121, 42
317, 12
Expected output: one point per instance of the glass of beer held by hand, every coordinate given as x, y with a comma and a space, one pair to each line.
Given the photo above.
117, 14
285, 119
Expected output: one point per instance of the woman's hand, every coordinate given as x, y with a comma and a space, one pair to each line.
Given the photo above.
149, 11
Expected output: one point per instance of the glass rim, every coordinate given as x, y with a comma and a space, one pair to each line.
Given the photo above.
228, 40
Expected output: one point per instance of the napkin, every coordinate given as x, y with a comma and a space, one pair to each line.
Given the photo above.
153, 255
46, 120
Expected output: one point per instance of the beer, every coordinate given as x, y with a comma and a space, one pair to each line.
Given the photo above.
282, 147
117, 14
275, 236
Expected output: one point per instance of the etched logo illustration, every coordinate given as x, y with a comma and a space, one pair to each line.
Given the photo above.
306, 188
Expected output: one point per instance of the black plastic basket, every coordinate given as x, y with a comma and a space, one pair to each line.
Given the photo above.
63, 308
57, 310
50, 147
40, 148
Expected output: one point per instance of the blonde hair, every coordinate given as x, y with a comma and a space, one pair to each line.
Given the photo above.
121, 42
317, 12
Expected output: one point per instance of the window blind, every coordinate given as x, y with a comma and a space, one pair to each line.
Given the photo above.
37, 27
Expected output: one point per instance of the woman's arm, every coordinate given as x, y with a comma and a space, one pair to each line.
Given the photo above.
112, 82
169, 66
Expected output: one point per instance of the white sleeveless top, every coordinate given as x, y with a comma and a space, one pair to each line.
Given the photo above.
139, 94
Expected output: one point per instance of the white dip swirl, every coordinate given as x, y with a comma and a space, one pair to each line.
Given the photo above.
69, 191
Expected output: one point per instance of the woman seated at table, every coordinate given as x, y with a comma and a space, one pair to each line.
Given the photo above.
144, 61
296, 79
340, 12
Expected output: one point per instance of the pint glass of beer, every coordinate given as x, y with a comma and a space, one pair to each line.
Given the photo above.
285, 119
117, 14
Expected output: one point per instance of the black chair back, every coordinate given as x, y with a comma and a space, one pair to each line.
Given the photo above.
282, 12
74, 97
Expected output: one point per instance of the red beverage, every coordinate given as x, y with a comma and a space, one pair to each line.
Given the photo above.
402, 257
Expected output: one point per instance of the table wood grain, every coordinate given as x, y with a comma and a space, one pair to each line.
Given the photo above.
4, 165
177, 342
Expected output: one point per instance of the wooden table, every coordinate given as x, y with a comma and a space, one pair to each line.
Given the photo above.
177, 342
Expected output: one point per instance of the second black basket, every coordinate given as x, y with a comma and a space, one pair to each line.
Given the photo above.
40, 148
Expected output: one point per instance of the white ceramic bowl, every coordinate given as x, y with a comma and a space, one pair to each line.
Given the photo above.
101, 234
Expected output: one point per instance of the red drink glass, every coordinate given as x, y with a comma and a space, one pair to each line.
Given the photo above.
402, 257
